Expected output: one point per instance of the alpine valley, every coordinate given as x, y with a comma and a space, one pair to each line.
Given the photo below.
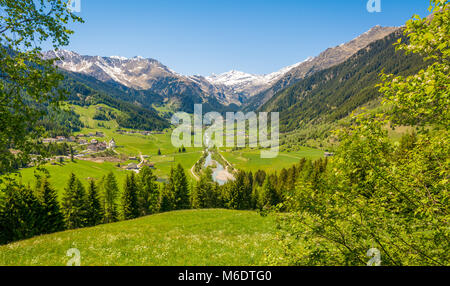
91, 172
147, 82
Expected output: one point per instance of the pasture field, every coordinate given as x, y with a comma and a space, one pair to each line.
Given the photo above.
184, 238
84, 170
250, 160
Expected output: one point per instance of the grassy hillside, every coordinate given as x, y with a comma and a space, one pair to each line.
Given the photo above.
185, 238
84, 170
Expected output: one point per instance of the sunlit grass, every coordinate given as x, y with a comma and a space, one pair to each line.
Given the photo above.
250, 160
184, 238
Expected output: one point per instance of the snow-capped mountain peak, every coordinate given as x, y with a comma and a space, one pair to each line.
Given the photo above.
137, 72
248, 84
229, 87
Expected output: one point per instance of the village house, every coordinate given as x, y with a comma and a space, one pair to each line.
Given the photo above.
95, 146
112, 144
49, 140
102, 146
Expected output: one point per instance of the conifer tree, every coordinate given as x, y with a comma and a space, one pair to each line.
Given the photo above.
203, 194
74, 204
148, 195
94, 208
110, 195
167, 198
240, 192
71, 154
130, 205
181, 189
19, 214
269, 196
51, 219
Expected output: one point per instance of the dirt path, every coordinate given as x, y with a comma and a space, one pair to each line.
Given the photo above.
193, 173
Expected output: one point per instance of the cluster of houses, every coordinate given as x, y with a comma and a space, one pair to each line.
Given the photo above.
93, 145
79, 138
96, 146
145, 133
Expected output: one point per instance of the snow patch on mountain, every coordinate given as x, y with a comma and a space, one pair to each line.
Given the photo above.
248, 84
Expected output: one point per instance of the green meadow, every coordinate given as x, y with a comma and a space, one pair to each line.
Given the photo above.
84, 170
250, 160
183, 238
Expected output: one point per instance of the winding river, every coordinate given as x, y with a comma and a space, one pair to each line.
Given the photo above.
220, 174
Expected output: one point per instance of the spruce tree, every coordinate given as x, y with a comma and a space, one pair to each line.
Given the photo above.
167, 196
269, 196
74, 204
110, 195
71, 154
130, 205
52, 219
94, 208
148, 195
204, 194
20, 214
181, 189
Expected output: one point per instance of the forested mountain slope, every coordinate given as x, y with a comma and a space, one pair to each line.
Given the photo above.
133, 115
327, 59
334, 93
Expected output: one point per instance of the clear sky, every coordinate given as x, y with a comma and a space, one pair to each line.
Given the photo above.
215, 36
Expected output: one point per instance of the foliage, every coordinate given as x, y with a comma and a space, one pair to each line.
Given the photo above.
180, 189
74, 205
20, 212
51, 218
94, 207
110, 195
130, 205
27, 81
206, 193
376, 193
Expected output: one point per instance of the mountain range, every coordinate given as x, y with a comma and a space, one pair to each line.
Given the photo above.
154, 83
332, 94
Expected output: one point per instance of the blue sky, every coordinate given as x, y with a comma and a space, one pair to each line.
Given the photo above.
215, 36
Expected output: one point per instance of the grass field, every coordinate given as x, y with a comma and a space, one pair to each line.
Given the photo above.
250, 160
184, 238
84, 170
